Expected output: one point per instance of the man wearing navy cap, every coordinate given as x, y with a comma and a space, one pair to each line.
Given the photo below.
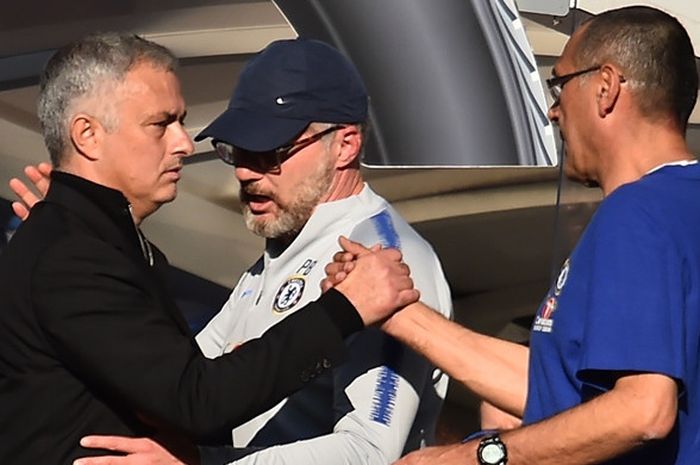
294, 131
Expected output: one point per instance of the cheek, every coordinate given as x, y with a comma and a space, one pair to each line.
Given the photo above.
276, 185
280, 196
146, 170
287, 187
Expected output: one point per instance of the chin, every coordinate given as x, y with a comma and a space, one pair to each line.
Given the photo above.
168, 194
580, 178
571, 172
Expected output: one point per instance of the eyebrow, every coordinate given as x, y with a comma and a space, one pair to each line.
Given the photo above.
167, 116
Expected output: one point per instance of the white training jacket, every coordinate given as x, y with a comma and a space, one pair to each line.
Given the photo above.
385, 399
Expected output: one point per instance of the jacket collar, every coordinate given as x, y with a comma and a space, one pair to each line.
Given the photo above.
106, 212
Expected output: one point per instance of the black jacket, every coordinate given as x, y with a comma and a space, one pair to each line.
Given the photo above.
90, 342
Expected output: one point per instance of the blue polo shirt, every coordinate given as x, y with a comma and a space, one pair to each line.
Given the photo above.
628, 300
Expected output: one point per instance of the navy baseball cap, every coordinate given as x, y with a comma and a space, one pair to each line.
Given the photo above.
288, 85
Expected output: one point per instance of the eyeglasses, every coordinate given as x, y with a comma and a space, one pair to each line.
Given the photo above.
270, 161
556, 83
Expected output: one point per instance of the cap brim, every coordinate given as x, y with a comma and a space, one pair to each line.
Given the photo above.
252, 131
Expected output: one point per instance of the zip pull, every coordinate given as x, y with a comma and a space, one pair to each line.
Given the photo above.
146, 249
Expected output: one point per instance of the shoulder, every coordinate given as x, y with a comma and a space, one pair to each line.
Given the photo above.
388, 228
384, 225
649, 202
636, 216
47, 233
81, 256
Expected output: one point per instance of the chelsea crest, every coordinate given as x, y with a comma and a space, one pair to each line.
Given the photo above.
289, 294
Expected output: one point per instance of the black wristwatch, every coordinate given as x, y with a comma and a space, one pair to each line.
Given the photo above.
492, 451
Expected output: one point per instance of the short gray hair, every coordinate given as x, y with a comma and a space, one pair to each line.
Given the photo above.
363, 127
655, 54
82, 70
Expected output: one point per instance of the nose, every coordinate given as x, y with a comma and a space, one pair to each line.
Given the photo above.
553, 113
245, 173
183, 145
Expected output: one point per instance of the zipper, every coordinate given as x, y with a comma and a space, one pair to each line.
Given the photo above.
146, 249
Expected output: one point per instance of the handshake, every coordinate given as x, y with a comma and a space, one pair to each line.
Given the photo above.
375, 280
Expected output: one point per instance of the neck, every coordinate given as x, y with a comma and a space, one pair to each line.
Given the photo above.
346, 183
636, 150
136, 214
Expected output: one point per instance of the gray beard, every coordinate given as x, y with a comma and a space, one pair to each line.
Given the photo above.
288, 222
291, 217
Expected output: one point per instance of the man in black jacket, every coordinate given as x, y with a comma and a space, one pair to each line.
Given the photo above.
89, 340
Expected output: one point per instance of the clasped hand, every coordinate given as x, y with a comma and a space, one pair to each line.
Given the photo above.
375, 280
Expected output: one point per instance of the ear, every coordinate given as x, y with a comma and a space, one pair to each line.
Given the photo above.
608, 89
86, 134
350, 145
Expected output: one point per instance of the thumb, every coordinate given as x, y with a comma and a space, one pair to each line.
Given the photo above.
352, 247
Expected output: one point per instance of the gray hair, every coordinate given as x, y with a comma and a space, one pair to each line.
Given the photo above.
88, 68
654, 53
362, 127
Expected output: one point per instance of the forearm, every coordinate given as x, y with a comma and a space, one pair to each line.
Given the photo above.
495, 370
121, 341
284, 370
212, 338
493, 418
338, 448
641, 408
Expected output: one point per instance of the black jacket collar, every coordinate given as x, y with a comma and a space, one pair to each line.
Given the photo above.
104, 210
111, 201
106, 213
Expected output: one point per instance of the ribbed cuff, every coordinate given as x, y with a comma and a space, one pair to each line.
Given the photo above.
341, 312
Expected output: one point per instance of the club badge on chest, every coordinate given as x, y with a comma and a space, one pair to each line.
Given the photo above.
289, 294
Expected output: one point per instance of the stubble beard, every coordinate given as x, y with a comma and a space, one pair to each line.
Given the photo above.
291, 217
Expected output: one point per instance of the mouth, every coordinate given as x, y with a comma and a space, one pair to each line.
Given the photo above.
174, 173
258, 203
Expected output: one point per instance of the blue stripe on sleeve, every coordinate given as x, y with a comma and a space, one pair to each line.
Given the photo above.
384, 398
387, 384
385, 229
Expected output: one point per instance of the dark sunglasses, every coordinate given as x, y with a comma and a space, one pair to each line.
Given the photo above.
272, 160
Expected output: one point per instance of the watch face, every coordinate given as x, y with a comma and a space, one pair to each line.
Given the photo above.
492, 451
492, 454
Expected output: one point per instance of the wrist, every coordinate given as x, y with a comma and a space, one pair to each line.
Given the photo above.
341, 312
491, 450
